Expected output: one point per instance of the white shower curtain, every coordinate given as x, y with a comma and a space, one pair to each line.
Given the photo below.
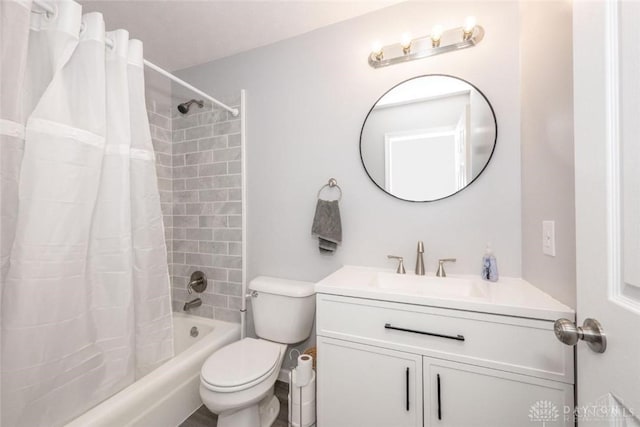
85, 295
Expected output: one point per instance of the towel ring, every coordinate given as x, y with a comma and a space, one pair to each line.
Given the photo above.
331, 184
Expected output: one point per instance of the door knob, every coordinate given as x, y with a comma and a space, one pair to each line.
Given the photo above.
591, 332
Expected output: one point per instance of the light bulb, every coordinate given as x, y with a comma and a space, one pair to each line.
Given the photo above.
405, 42
376, 50
469, 25
436, 34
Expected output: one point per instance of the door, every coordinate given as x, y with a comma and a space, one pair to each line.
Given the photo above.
361, 385
607, 156
462, 395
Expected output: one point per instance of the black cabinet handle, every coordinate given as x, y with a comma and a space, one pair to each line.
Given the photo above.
439, 402
407, 385
451, 337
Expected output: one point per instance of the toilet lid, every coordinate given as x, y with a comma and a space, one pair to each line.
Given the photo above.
240, 363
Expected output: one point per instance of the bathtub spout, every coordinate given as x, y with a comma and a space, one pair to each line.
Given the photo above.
192, 304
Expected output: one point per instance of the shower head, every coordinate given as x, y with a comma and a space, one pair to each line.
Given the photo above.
184, 107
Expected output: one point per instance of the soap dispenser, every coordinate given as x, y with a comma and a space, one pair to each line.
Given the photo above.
489, 265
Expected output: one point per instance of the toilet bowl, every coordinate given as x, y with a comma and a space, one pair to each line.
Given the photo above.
236, 382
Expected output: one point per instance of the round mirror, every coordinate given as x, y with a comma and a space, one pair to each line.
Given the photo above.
428, 138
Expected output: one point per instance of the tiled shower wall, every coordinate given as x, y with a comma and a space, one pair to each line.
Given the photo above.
198, 159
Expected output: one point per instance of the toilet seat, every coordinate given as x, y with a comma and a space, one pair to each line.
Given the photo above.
240, 365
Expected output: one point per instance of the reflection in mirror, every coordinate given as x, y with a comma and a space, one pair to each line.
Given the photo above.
428, 138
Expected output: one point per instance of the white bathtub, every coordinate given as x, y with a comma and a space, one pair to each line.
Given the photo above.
168, 395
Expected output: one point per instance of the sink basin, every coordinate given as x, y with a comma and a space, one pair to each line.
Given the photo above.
436, 287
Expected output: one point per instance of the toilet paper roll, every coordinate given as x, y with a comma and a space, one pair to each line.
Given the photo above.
303, 415
304, 394
303, 370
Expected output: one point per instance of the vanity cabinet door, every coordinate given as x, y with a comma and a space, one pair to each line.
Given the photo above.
360, 385
457, 394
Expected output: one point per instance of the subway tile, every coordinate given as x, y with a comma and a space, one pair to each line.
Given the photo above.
199, 259
216, 300
177, 160
235, 194
158, 120
177, 136
164, 171
225, 128
226, 288
198, 132
235, 248
199, 208
179, 185
167, 221
220, 248
164, 159
198, 158
203, 311
234, 167
179, 209
164, 184
185, 221
202, 183
213, 221
164, 135
213, 195
228, 208
185, 121
210, 117
199, 234
235, 276
213, 143
185, 196
227, 235
161, 146
227, 181
166, 196
185, 246
178, 258
226, 261
234, 221
179, 233
185, 172
234, 140
185, 147
226, 155
234, 302
213, 169
215, 274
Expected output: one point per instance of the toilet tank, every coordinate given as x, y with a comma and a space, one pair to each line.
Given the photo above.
283, 310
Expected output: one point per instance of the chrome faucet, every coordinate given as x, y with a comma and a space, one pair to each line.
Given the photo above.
440, 272
400, 269
420, 259
192, 304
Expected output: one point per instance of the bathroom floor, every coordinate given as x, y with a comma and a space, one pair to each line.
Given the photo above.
205, 418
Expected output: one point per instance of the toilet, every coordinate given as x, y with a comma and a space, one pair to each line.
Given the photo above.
237, 381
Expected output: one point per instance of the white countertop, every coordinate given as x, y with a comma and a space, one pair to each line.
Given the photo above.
508, 296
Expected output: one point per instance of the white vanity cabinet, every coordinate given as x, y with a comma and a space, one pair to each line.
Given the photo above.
371, 386
465, 368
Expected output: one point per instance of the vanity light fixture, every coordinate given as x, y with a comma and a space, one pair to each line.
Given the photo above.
469, 25
439, 41
436, 35
405, 42
376, 51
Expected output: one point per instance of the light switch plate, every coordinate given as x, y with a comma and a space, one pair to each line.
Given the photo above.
549, 238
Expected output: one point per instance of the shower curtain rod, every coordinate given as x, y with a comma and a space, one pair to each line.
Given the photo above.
44, 5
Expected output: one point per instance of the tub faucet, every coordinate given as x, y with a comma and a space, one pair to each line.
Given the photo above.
420, 259
192, 304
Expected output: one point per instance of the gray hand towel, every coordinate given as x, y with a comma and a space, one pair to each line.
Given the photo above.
327, 226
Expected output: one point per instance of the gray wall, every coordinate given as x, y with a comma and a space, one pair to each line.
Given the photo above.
547, 146
306, 100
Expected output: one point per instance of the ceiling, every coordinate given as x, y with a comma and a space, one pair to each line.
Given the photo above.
181, 33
